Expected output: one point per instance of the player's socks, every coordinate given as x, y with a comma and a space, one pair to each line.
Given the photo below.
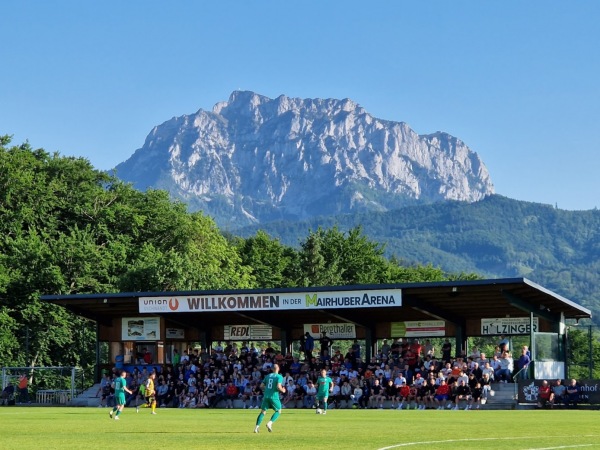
325, 406
275, 416
118, 412
259, 419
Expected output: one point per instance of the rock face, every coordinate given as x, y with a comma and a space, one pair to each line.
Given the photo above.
254, 159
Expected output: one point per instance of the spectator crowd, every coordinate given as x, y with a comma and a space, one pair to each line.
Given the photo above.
402, 375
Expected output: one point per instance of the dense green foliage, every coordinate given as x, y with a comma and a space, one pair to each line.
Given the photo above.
70, 229
496, 237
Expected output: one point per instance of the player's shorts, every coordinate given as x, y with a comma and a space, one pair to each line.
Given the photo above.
120, 399
270, 403
322, 398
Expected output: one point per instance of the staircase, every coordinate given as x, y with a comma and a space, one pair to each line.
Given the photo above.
87, 398
505, 397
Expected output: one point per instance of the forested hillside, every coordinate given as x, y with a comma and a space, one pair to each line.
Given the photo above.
67, 228
495, 237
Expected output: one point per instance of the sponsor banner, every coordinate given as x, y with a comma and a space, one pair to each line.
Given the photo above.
589, 390
174, 333
369, 298
418, 328
241, 332
140, 329
333, 330
508, 326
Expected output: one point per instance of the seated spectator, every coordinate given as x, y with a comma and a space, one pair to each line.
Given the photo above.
442, 394
356, 395
557, 396
544, 395
423, 395
504, 374
487, 370
377, 394
231, 393
108, 394
310, 392
363, 401
256, 397
161, 393
390, 393
246, 395
463, 392
290, 389
572, 397
476, 395
345, 392
403, 396
210, 391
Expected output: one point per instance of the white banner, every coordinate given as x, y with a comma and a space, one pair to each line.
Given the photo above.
140, 328
333, 330
247, 332
371, 298
419, 328
508, 325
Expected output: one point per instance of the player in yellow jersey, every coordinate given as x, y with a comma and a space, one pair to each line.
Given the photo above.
150, 393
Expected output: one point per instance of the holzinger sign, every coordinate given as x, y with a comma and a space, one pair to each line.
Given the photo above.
274, 302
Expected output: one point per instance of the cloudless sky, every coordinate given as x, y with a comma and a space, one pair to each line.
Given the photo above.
517, 81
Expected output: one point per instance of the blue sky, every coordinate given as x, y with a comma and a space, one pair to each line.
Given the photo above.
517, 81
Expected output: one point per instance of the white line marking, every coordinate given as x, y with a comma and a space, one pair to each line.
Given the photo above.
447, 441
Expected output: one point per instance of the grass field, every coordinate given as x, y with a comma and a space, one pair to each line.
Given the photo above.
91, 428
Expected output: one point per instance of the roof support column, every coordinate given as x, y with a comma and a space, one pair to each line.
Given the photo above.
368, 344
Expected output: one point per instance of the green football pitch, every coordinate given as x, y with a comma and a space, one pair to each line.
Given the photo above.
91, 428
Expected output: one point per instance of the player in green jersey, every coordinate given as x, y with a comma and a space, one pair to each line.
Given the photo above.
272, 385
324, 387
120, 386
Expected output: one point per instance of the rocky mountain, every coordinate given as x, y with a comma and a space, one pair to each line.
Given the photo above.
254, 159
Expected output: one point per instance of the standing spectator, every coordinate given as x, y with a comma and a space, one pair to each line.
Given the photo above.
504, 344
23, 389
326, 343
572, 397
309, 346
385, 348
523, 363
8, 395
147, 357
355, 351
176, 357
446, 351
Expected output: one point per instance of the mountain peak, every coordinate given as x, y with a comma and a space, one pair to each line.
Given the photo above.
257, 159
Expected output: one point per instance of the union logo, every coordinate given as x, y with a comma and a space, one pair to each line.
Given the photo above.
173, 304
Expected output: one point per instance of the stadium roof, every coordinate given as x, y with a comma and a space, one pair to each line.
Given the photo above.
453, 301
